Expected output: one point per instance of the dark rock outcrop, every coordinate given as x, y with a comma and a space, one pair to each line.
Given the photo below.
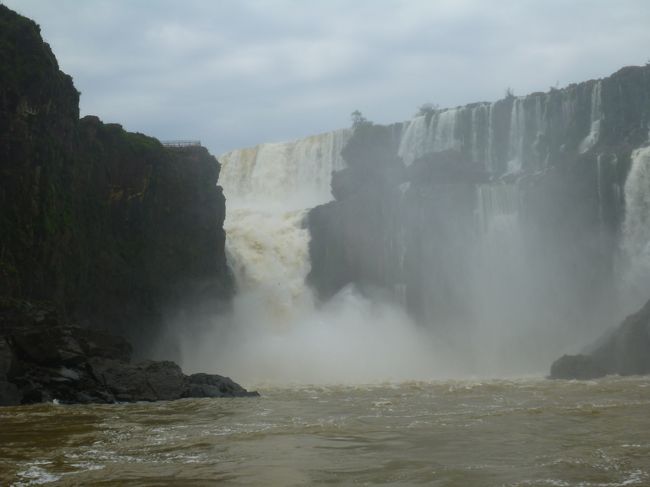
109, 225
625, 351
45, 358
581, 367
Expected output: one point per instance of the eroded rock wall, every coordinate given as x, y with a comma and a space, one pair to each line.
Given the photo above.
109, 225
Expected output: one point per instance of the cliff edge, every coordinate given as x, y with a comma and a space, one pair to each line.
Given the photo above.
110, 226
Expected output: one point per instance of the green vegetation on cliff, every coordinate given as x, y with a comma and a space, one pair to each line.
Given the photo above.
109, 225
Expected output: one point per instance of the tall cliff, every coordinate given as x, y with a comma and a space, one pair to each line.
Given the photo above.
110, 225
496, 220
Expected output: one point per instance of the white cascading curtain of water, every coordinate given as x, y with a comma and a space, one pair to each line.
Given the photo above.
269, 190
277, 333
636, 230
596, 116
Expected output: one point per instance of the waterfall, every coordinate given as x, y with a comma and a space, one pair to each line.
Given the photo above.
501, 296
269, 189
444, 132
277, 332
596, 116
268, 253
516, 137
413, 143
481, 134
497, 269
507, 142
292, 174
422, 136
636, 229
497, 207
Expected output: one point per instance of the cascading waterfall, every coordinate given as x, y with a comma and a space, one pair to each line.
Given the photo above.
269, 188
513, 283
478, 129
596, 117
500, 295
516, 137
278, 334
414, 143
636, 229
509, 138
424, 135
294, 175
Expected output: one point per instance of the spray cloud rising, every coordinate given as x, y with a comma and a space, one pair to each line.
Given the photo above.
277, 333
491, 241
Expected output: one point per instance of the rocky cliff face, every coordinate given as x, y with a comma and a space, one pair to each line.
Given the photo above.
624, 351
45, 358
109, 225
494, 217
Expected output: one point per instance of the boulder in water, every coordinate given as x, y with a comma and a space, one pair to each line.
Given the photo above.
626, 351
582, 367
43, 358
210, 385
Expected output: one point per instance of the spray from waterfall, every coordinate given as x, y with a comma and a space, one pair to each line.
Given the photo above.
277, 333
495, 291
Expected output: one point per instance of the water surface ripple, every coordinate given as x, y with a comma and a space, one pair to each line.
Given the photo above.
528, 432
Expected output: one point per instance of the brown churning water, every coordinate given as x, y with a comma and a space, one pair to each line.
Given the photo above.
528, 432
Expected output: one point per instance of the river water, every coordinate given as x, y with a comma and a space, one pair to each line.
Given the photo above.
524, 432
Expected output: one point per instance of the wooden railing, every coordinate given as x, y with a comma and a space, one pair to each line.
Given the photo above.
180, 143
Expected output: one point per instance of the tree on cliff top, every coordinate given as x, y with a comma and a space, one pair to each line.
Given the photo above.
426, 109
358, 120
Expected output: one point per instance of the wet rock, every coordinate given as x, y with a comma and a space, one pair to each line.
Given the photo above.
43, 358
581, 367
212, 385
49, 346
6, 359
97, 343
625, 351
108, 224
9, 394
146, 381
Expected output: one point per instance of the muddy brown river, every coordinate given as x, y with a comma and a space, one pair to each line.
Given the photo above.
526, 432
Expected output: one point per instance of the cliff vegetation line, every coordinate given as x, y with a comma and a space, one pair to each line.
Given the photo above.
109, 225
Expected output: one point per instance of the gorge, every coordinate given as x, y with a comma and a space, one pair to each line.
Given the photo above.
510, 232
104, 234
486, 239
396, 292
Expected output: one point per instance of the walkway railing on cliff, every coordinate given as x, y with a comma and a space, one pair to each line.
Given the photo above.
180, 144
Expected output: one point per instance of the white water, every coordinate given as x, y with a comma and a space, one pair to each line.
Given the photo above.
531, 119
420, 138
516, 137
596, 117
278, 334
502, 297
290, 175
636, 229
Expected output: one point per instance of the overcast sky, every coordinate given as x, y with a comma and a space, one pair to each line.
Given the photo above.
234, 73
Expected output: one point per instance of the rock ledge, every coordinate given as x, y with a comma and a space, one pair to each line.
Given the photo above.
43, 358
625, 351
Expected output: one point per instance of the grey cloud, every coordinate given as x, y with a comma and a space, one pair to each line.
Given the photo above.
235, 73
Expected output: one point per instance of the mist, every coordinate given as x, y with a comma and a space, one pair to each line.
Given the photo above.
277, 331
444, 246
351, 339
